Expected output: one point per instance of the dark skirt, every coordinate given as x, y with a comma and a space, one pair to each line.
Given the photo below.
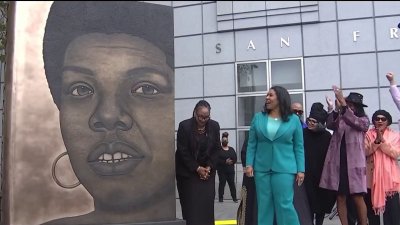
301, 205
321, 200
344, 176
247, 211
197, 199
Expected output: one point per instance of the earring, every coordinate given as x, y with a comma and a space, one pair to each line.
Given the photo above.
53, 173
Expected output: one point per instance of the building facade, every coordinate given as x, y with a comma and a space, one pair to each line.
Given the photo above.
230, 52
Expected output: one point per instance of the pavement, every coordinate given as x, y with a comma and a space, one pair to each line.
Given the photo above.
227, 211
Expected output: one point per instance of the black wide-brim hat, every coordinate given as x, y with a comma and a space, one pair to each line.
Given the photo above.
356, 98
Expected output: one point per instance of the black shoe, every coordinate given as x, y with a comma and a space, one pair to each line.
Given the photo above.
221, 200
236, 201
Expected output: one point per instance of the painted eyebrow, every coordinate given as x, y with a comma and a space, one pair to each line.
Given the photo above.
136, 72
143, 72
78, 69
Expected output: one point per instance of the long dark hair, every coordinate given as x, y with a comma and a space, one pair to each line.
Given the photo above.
284, 102
359, 110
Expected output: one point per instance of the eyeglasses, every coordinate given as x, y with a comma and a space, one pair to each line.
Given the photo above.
383, 119
205, 118
298, 112
311, 121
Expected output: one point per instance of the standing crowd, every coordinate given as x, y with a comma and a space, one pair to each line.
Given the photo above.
295, 171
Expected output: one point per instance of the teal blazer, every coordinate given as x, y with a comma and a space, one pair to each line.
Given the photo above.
283, 154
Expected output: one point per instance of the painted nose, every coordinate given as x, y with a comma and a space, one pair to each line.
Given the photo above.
110, 115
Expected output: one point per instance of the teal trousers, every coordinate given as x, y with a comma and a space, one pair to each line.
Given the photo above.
275, 197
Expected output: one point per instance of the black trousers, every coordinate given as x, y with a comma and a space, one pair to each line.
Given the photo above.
391, 216
223, 178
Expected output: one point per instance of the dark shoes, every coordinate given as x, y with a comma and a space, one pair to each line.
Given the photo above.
222, 200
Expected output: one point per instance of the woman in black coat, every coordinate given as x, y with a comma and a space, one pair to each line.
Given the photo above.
198, 145
316, 143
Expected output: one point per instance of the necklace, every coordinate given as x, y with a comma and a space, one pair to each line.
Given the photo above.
201, 130
274, 118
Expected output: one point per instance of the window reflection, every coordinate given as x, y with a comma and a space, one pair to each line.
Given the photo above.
287, 73
252, 77
247, 107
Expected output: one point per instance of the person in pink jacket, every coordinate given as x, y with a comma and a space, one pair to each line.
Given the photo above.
394, 91
382, 148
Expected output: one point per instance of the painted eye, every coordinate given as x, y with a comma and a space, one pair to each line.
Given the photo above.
145, 89
81, 90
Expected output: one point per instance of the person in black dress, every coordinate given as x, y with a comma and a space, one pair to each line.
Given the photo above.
226, 169
316, 143
198, 147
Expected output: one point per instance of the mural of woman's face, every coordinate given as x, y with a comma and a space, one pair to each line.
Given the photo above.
116, 117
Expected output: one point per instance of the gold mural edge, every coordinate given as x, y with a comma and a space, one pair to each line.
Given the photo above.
9, 113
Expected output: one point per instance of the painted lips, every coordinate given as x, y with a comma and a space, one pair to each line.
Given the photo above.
114, 158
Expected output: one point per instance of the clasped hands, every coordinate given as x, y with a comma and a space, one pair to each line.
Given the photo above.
204, 172
379, 136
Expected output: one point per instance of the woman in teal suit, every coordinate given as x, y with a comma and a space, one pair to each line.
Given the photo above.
275, 157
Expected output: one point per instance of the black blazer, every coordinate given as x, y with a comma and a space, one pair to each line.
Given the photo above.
189, 154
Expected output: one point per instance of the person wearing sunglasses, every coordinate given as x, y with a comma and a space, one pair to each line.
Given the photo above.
297, 108
316, 143
382, 148
344, 169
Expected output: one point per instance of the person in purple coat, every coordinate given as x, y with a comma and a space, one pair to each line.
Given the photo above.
344, 169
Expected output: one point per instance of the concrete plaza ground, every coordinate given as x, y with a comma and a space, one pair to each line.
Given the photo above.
227, 211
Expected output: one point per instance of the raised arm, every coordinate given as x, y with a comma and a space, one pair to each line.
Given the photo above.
394, 91
358, 123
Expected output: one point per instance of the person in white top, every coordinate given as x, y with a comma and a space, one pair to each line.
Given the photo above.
394, 91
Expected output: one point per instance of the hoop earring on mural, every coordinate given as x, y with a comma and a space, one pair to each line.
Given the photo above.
53, 173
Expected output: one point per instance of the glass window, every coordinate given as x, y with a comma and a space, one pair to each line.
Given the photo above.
287, 73
251, 77
242, 135
297, 97
247, 107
